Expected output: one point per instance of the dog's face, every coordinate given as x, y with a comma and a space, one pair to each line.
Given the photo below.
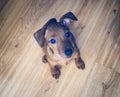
56, 38
59, 41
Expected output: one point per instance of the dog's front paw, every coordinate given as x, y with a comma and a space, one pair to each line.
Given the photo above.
44, 59
56, 72
80, 63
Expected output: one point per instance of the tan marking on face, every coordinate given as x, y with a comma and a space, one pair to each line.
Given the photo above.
58, 54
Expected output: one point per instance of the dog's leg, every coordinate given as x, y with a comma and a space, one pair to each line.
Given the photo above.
78, 60
55, 71
44, 59
79, 63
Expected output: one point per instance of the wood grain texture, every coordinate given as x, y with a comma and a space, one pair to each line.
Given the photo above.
22, 73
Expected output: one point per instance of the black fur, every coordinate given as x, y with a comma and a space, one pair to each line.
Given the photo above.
68, 15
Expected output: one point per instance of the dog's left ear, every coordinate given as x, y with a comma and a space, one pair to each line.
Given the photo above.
68, 18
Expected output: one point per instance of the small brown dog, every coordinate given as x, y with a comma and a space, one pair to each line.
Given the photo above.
59, 44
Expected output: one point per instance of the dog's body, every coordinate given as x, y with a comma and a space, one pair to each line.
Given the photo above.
59, 44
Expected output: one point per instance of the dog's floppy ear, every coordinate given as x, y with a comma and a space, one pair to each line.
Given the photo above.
39, 35
68, 18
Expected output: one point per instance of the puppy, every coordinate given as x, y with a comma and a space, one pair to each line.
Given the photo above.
58, 44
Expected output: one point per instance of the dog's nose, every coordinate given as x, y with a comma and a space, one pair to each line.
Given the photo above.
68, 52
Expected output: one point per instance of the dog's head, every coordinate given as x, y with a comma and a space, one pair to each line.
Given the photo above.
56, 37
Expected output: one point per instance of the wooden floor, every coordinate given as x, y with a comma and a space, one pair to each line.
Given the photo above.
22, 73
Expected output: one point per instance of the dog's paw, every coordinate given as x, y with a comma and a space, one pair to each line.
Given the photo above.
56, 72
80, 64
44, 59
56, 75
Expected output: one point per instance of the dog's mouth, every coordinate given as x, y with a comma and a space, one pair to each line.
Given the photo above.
66, 53
51, 50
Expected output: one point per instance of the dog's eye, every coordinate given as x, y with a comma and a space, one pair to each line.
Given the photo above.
53, 41
67, 34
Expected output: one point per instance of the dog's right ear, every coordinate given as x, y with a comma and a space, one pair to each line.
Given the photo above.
39, 35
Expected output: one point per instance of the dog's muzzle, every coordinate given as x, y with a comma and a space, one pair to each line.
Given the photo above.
68, 52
